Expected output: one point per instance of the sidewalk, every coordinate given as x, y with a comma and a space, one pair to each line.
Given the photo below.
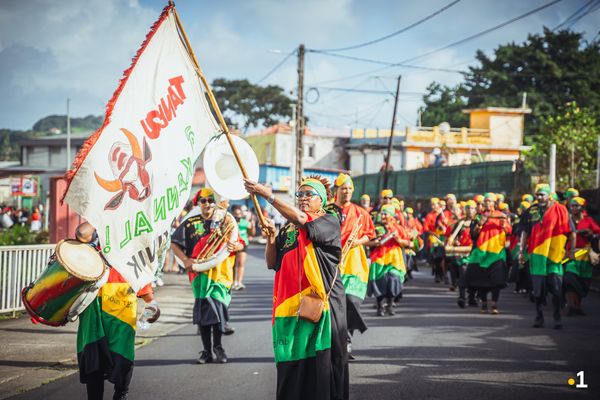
33, 355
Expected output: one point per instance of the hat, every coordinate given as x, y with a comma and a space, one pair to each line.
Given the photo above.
542, 188
343, 179
387, 193
577, 200
470, 203
365, 197
409, 210
490, 196
527, 197
571, 192
478, 198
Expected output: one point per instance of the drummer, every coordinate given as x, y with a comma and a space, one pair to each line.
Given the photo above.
106, 332
212, 288
388, 271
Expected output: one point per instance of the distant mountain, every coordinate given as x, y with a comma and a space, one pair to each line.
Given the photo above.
52, 124
56, 123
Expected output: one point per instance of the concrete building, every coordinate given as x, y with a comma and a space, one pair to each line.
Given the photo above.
494, 134
322, 148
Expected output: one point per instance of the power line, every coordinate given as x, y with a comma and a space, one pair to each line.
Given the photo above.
370, 91
275, 68
570, 17
356, 46
389, 64
593, 8
484, 32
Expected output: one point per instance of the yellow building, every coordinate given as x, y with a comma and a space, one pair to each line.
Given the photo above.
494, 134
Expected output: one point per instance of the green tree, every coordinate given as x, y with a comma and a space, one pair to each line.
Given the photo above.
244, 104
554, 68
574, 130
443, 103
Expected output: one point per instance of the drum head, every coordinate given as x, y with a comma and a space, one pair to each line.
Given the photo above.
80, 259
222, 171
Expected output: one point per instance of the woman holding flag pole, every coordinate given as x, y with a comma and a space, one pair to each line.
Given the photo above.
309, 304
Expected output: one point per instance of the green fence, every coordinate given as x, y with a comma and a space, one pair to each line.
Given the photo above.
465, 181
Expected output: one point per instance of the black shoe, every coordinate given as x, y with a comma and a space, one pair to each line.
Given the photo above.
351, 357
220, 355
390, 310
539, 322
380, 311
228, 330
205, 357
461, 302
472, 303
120, 395
452, 288
558, 325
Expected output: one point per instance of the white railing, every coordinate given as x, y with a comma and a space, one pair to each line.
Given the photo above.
19, 266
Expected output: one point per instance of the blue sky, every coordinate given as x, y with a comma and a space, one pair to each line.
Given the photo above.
51, 50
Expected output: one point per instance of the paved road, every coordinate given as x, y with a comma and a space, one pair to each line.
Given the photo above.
430, 350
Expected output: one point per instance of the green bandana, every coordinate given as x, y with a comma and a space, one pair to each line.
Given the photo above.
543, 188
319, 188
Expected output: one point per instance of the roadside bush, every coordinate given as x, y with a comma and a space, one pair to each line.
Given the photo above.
21, 235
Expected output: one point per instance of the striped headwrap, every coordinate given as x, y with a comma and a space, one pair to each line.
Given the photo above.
527, 197
571, 192
578, 200
319, 188
543, 188
388, 209
478, 198
204, 193
343, 179
490, 196
387, 193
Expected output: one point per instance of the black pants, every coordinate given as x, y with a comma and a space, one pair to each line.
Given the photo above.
95, 387
482, 293
205, 334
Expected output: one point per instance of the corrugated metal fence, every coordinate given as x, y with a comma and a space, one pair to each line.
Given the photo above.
464, 181
19, 266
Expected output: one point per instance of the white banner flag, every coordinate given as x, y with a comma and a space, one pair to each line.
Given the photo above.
134, 175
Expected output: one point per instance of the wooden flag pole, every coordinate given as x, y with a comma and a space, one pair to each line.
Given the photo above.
217, 110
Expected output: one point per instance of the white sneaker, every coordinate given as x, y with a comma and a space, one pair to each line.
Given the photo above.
241, 286
159, 282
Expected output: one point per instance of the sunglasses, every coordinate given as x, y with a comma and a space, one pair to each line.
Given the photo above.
388, 198
204, 201
308, 193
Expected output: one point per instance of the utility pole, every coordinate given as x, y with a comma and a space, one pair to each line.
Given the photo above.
389, 149
572, 174
293, 123
552, 174
68, 135
300, 116
598, 165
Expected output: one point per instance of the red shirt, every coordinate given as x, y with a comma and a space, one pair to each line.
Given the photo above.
586, 223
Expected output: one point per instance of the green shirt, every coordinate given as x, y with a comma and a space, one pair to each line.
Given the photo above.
243, 225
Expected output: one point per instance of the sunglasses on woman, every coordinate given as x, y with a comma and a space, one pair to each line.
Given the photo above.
203, 201
308, 193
